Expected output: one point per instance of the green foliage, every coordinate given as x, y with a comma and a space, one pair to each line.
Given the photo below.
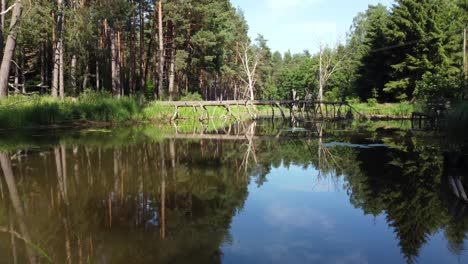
298, 74
191, 97
437, 87
371, 102
405, 48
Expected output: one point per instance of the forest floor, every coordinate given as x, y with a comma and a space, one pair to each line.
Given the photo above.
97, 110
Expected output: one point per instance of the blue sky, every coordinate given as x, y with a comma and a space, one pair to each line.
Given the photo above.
302, 24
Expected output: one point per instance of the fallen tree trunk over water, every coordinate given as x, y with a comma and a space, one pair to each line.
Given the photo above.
297, 108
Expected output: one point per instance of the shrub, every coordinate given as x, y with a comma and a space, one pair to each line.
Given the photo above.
191, 97
371, 102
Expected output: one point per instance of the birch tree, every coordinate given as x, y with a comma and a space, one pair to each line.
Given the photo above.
57, 74
9, 49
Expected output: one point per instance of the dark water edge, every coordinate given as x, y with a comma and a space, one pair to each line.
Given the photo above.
264, 192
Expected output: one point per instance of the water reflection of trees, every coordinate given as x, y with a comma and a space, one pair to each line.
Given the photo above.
406, 183
173, 200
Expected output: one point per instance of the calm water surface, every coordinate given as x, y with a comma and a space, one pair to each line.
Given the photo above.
250, 193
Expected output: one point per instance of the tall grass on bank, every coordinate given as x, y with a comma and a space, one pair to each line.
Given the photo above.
401, 110
22, 111
92, 107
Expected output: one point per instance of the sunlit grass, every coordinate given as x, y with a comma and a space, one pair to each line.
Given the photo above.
91, 108
403, 109
22, 111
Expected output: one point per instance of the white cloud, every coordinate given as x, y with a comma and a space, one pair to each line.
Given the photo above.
286, 217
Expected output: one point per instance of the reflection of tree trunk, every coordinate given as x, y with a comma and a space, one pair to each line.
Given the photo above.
64, 170
320, 144
1, 190
13, 242
60, 177
88, 168
116, 170
76, 166
67, 240
172, 153
16, 202
249, 133
327, 163
163, 194
80, 251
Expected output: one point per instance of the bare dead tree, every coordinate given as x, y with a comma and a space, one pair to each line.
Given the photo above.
330, 62
250, 58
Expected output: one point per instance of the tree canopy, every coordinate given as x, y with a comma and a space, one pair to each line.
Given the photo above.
412, 50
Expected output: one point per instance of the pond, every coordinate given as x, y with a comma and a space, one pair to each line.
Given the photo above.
261, 192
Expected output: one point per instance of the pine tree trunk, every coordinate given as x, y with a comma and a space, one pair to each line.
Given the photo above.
161, 51
98, 80
61, 79
120, 63
16, 79
98, 75
2, 19
21, 75
58, 49
55, 71
142, 48
149, 49
115, 64
73, 75
43, 65
132, 55
9, 50
172, 91
85, 78
2, 24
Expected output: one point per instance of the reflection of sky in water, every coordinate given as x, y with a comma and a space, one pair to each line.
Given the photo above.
296, 218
